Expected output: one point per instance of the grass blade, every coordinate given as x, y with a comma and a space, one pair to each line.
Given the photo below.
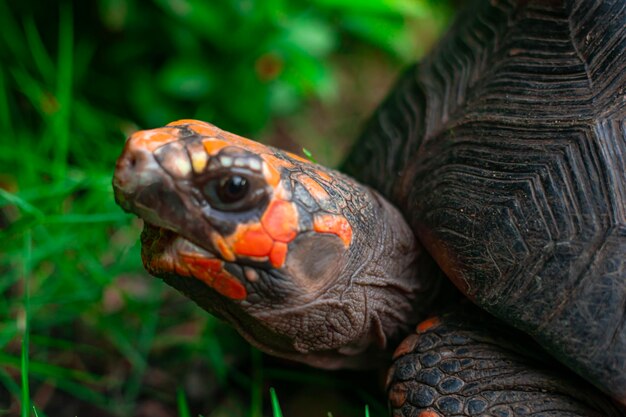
308, 155
183, 407
276, 412
22, 204
26, 326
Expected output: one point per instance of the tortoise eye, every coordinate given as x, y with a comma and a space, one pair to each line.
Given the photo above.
233, 192
232, 189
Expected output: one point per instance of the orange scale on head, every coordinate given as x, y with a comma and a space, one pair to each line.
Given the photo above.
204, 129
278, 254
229, 286
337, 225
220, 244
280, 220
212, 273
209, 130
314, 188
202, 268
251, 240
213, 145
152, 139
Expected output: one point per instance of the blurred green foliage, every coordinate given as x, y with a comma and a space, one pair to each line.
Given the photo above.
76, 78
236, 61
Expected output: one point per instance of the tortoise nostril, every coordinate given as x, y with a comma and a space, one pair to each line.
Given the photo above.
135, 169
137, 159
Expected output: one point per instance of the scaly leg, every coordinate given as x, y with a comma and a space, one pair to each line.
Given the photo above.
467, 363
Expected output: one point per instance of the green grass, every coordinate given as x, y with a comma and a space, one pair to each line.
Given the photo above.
183, 407
24, 364
276, 411
83, 327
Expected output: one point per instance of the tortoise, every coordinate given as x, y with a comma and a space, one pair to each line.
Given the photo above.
485, 209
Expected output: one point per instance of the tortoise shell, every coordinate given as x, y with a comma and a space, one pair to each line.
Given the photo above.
506, 151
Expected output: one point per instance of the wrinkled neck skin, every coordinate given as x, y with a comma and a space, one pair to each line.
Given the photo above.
368, 293
329, 308
315, 268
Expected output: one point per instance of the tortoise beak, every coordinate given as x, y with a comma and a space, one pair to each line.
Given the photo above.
149, 181
137, 168
141, 187
150, 186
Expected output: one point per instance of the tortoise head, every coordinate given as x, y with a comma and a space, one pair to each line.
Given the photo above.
306, 263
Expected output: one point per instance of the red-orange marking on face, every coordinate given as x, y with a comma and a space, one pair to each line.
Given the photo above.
204, 129
253, 240
212, 146
211, 272
207, 129
338, 225
221, 245
154, 138
428, 324
280, 220
278, 254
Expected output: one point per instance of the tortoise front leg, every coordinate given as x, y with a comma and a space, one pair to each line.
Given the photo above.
467, 363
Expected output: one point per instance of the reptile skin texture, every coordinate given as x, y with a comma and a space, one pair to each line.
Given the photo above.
503, 152
467, 363
508, 149
306, 264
